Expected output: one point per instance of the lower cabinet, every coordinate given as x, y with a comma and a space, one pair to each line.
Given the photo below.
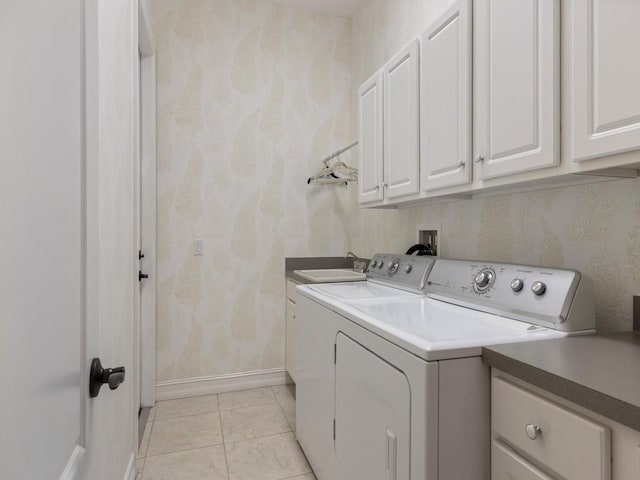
508, 465
290, 328
535, 435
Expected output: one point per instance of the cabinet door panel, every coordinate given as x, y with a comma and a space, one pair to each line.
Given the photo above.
445, 96
565, 443
517, 89
605, 77
401, 118
370, 139
506, 465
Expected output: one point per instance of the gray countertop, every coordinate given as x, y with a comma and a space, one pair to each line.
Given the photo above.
598, 372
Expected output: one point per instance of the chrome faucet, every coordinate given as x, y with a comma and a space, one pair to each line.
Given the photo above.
358, 264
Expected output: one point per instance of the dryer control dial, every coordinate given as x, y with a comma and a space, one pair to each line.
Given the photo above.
393, 266
484, 279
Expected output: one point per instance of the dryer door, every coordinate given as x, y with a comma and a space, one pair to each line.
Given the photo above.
372, 414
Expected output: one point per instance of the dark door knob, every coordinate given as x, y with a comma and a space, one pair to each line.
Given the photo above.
140, 255
142, 275
99, 376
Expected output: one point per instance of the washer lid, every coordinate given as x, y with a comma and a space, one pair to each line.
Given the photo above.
436, 330
358, 290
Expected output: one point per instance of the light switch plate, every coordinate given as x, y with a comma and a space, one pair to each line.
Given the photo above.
198, 247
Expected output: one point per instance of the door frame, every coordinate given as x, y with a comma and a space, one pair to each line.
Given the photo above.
146, 343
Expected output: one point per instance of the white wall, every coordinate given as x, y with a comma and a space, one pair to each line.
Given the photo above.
251, 95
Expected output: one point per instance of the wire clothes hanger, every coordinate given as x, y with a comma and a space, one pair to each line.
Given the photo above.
337, 172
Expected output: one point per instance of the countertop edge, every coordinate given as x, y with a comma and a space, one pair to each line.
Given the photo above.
593, 400
294, 277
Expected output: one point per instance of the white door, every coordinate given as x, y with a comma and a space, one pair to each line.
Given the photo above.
111, 139
401, 123
605, 77
41, 259
370, 141
517, 52
66, 290
445, 100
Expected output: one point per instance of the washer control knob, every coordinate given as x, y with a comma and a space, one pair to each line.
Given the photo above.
517, 284
374, 263
393, 266
538, 288
483, 279
381, 264
408, 269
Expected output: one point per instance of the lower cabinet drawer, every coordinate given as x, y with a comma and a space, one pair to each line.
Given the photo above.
564, 443
507, 465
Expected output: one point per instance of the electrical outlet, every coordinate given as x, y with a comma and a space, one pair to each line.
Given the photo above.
430, 235
198, 247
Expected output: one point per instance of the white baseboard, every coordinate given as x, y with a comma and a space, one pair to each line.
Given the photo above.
132, 468
192, 387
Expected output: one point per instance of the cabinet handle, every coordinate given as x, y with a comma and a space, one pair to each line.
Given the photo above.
479, 159
377, 187
460, 164
532, 431
385, 186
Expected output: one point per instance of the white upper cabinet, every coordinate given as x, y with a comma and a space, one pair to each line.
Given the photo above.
370, 139
604, 77
401, 123
445, 100
517, 121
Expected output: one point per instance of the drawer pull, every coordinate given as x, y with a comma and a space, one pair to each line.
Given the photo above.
532, 431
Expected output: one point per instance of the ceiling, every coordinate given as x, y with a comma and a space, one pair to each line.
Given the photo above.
340, 8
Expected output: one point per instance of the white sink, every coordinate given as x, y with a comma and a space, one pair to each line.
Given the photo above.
331, 275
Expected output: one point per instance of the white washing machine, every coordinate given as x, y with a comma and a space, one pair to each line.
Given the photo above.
391, 386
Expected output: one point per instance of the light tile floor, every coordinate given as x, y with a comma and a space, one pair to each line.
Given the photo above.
245, 435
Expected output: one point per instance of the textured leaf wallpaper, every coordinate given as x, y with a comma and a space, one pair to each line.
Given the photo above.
251, 96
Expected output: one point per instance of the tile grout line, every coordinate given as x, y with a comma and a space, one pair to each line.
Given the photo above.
294, 437
283, 412
184, 450
281, 407
146, 452
224, 445
144, 458
261, 437
273, 399
186, 415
